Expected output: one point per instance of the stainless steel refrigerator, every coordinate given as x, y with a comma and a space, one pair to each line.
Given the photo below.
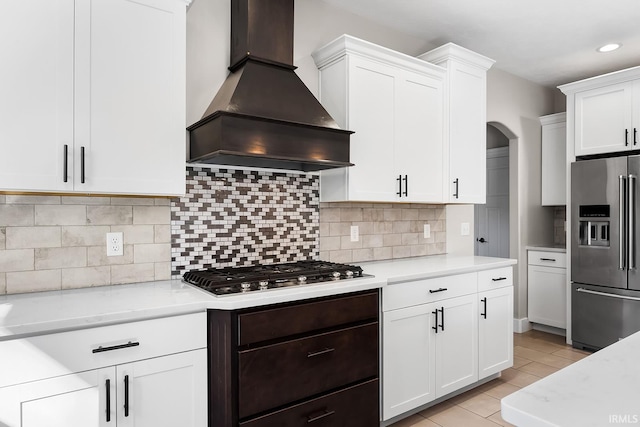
605, 288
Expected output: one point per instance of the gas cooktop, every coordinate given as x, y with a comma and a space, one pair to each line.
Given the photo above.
239, 280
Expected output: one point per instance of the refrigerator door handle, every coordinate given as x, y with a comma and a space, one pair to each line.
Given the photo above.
631, 232
606, 294
622, 195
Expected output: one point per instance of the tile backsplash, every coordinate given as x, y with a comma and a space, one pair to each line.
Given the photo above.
227, 217
559, 219
242, 217
386, 231
59, 242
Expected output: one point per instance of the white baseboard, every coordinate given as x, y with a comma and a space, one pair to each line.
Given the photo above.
521, 325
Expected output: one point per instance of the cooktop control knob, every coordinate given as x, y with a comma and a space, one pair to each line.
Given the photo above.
245, 286
336, 275
263, 284
302, 279
349, 274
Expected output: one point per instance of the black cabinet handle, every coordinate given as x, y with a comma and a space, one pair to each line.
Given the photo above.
435, 322
126, 395
65, 163
484, 300
548, 259
442, 319
115, 347
321, 352
635, 136
433, 291
499, 279
107, 386
406, 185
456, 193
399, 179
321, 416
82, 165
626, 137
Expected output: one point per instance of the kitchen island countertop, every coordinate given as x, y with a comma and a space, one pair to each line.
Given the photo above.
23, 315
601, 389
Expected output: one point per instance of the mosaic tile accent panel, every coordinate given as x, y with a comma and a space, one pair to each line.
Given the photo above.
234, 217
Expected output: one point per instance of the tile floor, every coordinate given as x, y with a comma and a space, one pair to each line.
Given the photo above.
536, 354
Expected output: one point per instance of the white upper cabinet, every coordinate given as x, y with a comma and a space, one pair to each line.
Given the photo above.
94, 96
554, 160
36, 83
465, 139
394, 104
603, 113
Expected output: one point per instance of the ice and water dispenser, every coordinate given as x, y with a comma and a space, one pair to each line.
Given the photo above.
594, 225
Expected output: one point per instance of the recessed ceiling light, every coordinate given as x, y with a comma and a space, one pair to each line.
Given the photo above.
609, 47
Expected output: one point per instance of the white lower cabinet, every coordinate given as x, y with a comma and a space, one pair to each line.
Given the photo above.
495, 331
547, 288
167, 390
436, 339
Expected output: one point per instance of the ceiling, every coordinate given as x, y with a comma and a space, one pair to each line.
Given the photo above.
549, 42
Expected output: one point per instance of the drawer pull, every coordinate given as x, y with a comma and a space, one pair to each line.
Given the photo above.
484, 301
499, 279
321, 416
433, 291
321, 352
115, 347
548, 259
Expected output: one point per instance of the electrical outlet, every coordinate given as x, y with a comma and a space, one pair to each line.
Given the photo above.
355, 233
427, 231
114, 244
464, 229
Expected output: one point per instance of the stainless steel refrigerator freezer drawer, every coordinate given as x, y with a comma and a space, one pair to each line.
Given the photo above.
602, 316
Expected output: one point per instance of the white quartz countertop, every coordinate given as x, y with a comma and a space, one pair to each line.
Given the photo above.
45, 312
406, 269
547, 248
599, 390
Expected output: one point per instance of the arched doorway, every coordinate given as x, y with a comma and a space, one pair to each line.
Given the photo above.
492, 219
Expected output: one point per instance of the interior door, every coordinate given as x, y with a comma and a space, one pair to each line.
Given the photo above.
492, 218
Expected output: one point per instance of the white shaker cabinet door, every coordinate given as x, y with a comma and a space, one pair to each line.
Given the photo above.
164, 391
36, 87
495, 331
547, 296
456, 356
371, 116
75, 400
130, 96
419, 139
603, 119
408, 354
467, 134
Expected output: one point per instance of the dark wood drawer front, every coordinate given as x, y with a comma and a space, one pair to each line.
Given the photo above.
355, 406
279, 374
284, 321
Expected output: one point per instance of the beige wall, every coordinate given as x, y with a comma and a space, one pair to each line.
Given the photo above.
516, 104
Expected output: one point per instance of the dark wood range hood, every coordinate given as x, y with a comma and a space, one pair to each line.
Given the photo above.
264, 115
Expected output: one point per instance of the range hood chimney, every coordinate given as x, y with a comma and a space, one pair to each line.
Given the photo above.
263, 115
